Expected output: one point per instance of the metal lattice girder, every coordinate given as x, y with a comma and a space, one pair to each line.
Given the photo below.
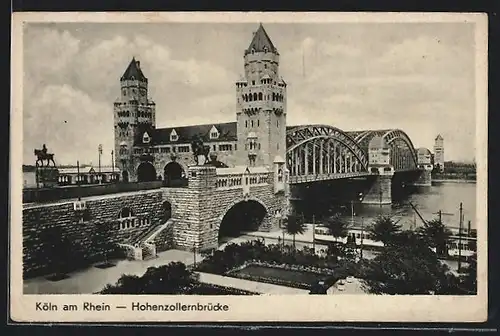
402, 157
300, 135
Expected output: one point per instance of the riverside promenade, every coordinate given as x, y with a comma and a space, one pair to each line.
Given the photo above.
93, 280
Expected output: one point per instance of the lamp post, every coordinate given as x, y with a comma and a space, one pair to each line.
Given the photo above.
362, 235
314, 234
99, 149
78, 178
460, 238
113, 163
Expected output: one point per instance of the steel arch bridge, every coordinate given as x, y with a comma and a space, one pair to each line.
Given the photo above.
323, 152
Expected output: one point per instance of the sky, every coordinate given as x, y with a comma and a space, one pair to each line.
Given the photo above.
418, 77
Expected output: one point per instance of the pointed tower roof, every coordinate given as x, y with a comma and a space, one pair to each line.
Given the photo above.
134, 71
261, 41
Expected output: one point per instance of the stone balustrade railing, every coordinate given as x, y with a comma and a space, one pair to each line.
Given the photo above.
240, 180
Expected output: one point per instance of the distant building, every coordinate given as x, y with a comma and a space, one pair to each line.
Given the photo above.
439, 153
88, 175
68, 175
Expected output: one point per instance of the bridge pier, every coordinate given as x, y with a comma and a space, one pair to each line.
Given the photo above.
380, 191
425, 177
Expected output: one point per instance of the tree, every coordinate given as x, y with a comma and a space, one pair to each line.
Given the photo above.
384, 229
407, 266
101, 243
60, 254
294, 225
469, 280
174, 278
337, 227
437, 235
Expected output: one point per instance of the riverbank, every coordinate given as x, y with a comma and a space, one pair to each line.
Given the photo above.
453, 181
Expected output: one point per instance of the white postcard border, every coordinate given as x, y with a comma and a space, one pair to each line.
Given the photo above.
345, 308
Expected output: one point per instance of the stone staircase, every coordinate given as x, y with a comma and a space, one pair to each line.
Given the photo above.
142, 247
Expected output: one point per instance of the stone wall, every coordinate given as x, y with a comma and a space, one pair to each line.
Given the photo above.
200, 227
40, 220
196, 212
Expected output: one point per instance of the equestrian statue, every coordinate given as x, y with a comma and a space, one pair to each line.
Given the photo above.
42, 156
199, 149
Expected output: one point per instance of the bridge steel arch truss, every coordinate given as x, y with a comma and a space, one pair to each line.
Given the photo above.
321, 152
403, 153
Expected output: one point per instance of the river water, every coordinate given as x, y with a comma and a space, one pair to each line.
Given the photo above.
444, 196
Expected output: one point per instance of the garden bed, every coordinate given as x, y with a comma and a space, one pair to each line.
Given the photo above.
281, 275
276, 265
211, 289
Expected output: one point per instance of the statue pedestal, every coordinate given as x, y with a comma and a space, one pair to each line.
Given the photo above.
47, 176
201, 160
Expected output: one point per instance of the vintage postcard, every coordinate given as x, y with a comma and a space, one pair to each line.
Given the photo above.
249, 167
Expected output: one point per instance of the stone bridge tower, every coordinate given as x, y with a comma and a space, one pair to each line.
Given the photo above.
379, 156
261, 105
439, 153
133, 112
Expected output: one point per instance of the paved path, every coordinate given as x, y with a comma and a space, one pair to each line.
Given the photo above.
94, 279
259, 287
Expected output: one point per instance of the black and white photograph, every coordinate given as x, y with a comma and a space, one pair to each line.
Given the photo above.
259, 156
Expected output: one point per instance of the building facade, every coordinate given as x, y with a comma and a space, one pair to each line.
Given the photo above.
439, 153
257, 138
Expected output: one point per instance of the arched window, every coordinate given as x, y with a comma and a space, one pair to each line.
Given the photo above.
260, 95
126, 213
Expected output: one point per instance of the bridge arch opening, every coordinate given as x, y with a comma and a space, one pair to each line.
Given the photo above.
244, 216
173, 171
146, 172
